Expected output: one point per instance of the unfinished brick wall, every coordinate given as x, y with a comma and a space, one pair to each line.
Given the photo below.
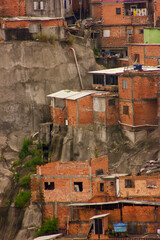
64, 176
95, 9
140, 93
10, 8
99, 163
85, 110
112, 112
148, 54
138, 213
140, 186
24, 23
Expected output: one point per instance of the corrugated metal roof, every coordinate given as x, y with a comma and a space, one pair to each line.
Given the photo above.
116, 202
71, 95
63, 94
116, 175
48, 237
113, 71
81, 94
100, 216
110, 71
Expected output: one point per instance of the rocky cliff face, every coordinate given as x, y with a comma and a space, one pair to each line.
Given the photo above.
28, 72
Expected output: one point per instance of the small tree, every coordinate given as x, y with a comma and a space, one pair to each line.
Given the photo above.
50, 226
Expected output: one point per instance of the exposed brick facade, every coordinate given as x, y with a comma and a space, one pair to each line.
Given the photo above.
25, 22
9, 8
98, 108
148, 54
138, 98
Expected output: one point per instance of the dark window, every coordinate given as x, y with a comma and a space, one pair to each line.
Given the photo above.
125, 109
111, 80
101, 187
141, 31
111, 102
49, 185
78, 186
111, 183
136, 57
118, 11
124, 84
98, 226
98, 79
128, 183
59, 103
65, 4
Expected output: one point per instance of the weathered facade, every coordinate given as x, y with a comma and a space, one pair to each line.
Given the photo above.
74, 108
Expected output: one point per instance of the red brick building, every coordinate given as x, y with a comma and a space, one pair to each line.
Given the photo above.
146, 54
57, 184
138, 98
83, 194
74, 108
124, 22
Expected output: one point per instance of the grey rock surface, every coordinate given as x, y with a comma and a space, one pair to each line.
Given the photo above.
32, 219
29, 71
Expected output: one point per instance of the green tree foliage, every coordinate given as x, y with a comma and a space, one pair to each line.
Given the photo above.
50, 226
22, 199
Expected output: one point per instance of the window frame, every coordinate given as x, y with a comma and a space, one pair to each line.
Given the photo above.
101, 187
126, 109
111, 102
129, 183
124, 84
118, 11
80, 186
49, 185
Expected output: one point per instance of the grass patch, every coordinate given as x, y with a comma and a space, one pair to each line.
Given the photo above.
25, 181
50, 226
22, 199
36, 160
16, 177
24, 152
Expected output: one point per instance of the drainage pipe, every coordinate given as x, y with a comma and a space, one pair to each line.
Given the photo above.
80, 79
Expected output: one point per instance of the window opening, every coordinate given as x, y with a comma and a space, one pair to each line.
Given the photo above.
101, 187
98, 79
128, 183
111, 102
118, 11
98, 226
125, 109
111, 183
49, 185
124, 84
141, 31
136, 57
78, 186
111, 80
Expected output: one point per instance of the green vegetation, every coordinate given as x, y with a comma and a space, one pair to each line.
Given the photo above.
50, 226
71, 40
96, 51
25, 181
16, 163
16, 177
45, 38
22, 199
24, 152
36, 160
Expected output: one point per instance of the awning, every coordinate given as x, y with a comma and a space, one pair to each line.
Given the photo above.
99, 216
48, 237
